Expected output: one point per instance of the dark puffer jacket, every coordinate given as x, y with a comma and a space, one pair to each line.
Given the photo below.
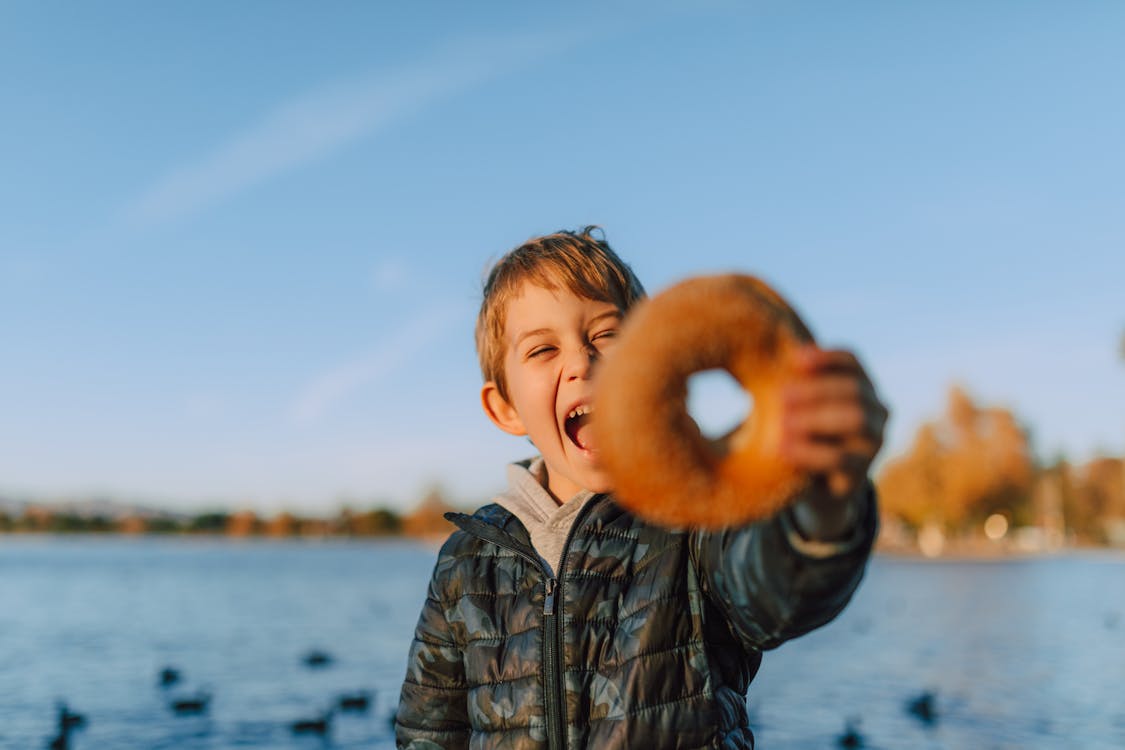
644, 638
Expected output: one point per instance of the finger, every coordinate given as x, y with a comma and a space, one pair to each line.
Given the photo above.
820, 457
812, 456
853, 456
829, 411
815, 389
837, 421
811, 359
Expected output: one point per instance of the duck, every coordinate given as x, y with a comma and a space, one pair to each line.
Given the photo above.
319, 725
316, 658
851, 738
922, 707
358, 701
196, 704
68, 720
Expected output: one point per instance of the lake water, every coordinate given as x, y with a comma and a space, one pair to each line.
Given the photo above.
1019, 653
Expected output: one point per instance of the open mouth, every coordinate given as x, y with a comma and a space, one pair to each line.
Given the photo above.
577, 426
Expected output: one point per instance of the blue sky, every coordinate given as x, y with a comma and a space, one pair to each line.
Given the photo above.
241, 244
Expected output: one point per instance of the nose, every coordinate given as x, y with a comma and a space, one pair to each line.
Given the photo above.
580, 362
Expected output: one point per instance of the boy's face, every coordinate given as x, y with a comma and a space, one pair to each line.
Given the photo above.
551, 341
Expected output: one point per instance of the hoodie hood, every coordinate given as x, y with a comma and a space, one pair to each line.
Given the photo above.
547, 522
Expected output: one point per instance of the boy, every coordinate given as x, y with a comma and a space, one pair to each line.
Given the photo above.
556, 619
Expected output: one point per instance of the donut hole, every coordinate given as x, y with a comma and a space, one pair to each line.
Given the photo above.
717, 402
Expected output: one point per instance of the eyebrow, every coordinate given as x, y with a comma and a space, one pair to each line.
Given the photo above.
539, 331
608, 314
528, 334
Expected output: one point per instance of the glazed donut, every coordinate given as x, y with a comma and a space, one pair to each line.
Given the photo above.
660, 465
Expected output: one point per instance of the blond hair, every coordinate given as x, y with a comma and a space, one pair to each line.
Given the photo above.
581, 263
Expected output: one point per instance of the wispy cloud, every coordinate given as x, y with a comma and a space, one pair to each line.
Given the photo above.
330, 388
316, 124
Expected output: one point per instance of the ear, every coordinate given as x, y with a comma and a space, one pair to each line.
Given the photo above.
502, 413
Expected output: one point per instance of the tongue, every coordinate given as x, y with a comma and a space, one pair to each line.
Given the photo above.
584, 436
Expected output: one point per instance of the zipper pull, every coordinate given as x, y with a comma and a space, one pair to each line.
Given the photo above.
549, 599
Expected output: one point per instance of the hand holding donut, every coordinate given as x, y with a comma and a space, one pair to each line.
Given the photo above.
832, 428
815, 427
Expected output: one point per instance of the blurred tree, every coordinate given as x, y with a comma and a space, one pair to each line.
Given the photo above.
345, 522
377, 522
243, 523
912, 487
318, 527
72, 523
209, 523
132, 525
160, 525
283, 524
962, 468
1098, 498
426, 520
36, 518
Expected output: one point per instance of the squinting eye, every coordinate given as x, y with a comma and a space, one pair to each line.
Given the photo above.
607, 334
540, 350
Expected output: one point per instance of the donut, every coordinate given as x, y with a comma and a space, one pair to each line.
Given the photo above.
660, 465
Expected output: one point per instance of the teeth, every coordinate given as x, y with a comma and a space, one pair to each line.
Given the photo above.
580, 411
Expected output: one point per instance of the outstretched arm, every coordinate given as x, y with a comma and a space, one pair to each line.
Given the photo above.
782, 577
772, 583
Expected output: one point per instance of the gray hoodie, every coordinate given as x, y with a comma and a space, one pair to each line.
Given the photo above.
546, 520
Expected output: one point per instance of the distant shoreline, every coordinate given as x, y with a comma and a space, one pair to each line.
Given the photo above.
1113, 553
977, 555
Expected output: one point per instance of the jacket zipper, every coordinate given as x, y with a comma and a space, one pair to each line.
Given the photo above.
554, 686
554, 670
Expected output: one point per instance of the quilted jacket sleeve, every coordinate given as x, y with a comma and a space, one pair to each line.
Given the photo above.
433, 706
774, 585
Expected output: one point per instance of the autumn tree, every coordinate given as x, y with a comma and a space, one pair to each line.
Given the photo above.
961, 468
377, 522
1097, 496
243, 523
427, 519
282, 524
213, 522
